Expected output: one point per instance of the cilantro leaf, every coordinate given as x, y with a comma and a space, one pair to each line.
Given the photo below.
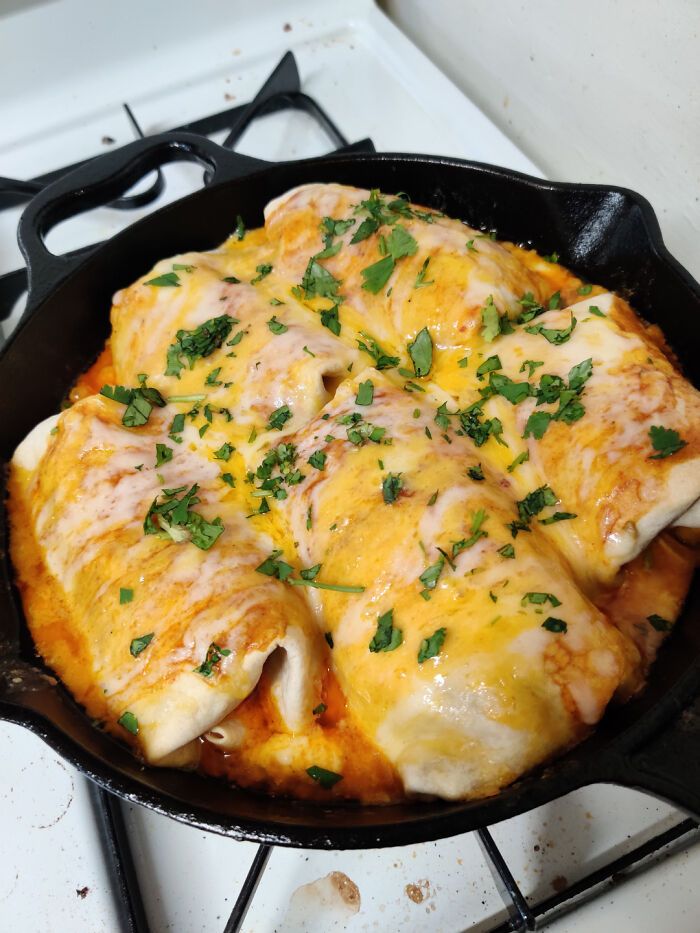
164, 454
386, 638
666, 441
430, 647
489, 365
659, 623
139, 644
557, 517
278, 418
391, 485
507, 551
554, 335
381, 359
125, 596
368, 226
430, 576
129, 722
377, 275
318, 460
323, 777
277, 327
537, 424
421, 352
198, 343
365, 393
534, 502
214, 655
521, 458
420, 278
263, 270
224, 452
554, 625
167, 280
539, 599
318, 281
400, 243
476, 473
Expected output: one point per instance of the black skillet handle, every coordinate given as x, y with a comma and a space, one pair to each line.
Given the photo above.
101, 181
667, 764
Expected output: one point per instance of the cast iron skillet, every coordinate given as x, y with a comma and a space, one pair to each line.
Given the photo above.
608, 235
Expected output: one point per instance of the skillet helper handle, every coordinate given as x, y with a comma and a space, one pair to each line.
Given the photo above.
101, 181
668, 764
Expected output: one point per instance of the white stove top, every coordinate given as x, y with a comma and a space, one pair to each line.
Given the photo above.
175, 66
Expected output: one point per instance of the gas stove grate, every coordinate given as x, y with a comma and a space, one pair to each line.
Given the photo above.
281, 91
522, 916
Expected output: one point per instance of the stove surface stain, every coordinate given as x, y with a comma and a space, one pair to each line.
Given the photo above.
335, 897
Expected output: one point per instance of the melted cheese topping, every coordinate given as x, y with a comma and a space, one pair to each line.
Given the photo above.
454, 641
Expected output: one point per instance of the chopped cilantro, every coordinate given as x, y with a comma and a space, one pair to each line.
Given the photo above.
539, 599
551, 257
178, 425
531, 366
430, 576
534, 502
229, 480
139, 402
421, 353
493, 323
138, 644
129, 722
168, 280
476, 473
318, 459
488, 366
557, 517
278, 418
478, 519
224, 452
507, 551
666, 441
433, 499
214, 655
554, 625
594, 309
174, 519
659, 623
381, 359
391, 485
521, 458
365, 393
584, 289
386, 638
198, 343
163, 454
263, 270
277, 327
327, 779
420, 278
430, 647
318, 710
377, 275
318, 281
125, 596
554, 335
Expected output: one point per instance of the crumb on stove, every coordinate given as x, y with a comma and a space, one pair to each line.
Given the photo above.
287, 27
108, 140
82, 892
